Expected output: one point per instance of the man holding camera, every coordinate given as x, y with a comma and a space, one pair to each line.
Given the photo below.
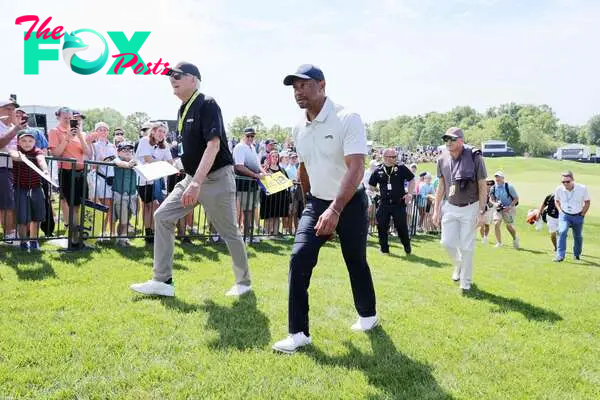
462, 184
505, 199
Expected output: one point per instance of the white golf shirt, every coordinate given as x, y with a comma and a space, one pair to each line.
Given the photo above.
323, 143
572, 202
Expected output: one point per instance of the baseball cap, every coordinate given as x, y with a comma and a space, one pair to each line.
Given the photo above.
292, 154
27, 132
249, 131
21, 110
78, 114
146, 125
125, 145
454, 132
499, 173
305, 71
186, 68
119, 131
100, 125
63, 110
270, 141
413, 165
9, 102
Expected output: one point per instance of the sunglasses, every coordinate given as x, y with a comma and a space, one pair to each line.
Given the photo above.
566, 182
449, 139
176, 75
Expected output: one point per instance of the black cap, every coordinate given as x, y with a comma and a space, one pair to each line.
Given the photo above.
78, 114
249, 131
186, 68
125, 145
305, 71
270, 141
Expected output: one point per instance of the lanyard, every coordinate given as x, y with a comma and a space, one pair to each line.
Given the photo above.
182, 118
388, 175
185, 111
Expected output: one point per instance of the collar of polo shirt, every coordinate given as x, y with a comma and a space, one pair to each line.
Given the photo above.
322, 116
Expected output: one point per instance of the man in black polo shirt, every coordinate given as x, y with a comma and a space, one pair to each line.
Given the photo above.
208, 165
390, 177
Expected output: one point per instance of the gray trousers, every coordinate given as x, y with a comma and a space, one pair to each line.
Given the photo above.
217, 196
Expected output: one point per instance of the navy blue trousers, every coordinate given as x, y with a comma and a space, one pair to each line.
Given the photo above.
352, 230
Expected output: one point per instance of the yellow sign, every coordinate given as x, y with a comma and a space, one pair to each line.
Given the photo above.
275, 183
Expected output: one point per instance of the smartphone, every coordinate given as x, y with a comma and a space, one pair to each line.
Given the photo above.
74, 123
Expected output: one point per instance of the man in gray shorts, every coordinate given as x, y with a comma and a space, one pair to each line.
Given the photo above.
462, 185
246, 163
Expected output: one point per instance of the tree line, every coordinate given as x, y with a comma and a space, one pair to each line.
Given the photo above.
532, 129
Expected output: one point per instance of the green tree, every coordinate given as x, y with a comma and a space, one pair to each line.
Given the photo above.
568, 133
112, 117
278, 133
593, 130
237, 126
133, 124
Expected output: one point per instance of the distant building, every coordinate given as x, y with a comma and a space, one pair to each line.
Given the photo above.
496, 148
42, 117
573, 151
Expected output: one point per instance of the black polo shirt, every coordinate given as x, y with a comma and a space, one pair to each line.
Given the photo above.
202, 123
395, 176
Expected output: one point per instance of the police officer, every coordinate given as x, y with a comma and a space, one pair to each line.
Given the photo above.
391, 179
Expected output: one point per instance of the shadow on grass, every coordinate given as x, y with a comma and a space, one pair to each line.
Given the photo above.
588, 263
387, 369
533, 251
171, 303
29, 266
243, 326
529, 311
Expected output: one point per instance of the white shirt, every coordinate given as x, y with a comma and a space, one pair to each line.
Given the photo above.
323, 143
572, 202
103, 150
12, 145
157, 154
245, 155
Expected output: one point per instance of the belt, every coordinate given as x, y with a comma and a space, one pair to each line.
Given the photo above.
465, 204
572, 215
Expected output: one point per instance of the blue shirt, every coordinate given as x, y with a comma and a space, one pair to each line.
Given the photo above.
292, 171
424, 191
40, 140
502, 196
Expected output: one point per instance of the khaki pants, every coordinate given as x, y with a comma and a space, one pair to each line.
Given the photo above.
459, 226
217, 196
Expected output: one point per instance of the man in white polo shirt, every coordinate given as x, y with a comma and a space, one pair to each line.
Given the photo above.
331, 145
573, 202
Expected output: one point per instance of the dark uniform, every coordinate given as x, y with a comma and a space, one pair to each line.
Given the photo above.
391, 181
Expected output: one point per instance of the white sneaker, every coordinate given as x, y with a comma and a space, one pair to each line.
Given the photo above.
153, 287
292, 343
456, 274
238, 290
11, 238
516, 243
364, 324
498, 244
484, 240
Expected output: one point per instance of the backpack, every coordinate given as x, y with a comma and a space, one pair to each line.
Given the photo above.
510, 196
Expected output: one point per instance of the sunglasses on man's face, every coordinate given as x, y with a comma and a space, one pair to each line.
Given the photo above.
176, 75
449, 139
566, 182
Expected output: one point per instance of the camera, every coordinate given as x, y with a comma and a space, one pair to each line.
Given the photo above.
499, 208
73, 123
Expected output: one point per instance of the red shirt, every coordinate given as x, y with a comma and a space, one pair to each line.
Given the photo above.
23, 176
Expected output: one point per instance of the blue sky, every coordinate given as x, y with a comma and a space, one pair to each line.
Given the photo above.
381, 58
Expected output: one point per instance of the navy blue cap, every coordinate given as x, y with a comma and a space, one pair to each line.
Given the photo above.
249, 131
186, 68
305, 71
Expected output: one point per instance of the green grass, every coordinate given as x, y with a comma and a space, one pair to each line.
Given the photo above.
71, 328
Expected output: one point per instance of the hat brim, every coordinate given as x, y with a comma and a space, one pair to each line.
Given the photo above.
25, 134
11, 103
289, 80
450, 135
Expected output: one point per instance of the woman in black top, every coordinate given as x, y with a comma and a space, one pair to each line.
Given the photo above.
275, 206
